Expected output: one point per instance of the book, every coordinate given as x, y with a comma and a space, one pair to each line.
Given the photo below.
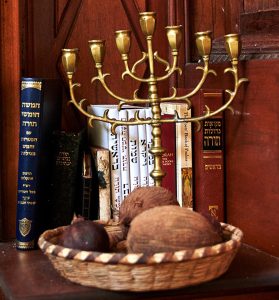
86, 185
40, 115
143, 156
124, 155
183, 134
65, 179
101, 158
100, 135
184, 158
209, 191
89, 204
168, 139
149, 139
133, 152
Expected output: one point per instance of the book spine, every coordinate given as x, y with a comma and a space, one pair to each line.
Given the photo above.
40, 114
86, 186
150, 158
170, 109
124, 156
102, 163
89, 196
66, 183
115, 173
209, 158
133, 152
143, 159
169, 157
184, 159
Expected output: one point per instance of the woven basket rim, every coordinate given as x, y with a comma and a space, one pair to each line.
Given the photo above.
139, 258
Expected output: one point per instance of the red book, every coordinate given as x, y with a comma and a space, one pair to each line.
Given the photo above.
169, 158
209, 189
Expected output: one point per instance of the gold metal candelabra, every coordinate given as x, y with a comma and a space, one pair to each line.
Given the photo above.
174, 34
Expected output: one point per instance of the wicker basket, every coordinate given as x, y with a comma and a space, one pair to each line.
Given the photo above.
139, 272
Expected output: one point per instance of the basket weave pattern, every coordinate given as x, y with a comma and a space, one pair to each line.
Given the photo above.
139, 272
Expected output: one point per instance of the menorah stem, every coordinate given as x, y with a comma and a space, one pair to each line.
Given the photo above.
156, 149
150, 56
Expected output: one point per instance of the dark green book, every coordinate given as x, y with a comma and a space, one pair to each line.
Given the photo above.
65, 179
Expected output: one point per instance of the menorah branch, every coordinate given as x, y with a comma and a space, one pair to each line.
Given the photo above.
101, 78
206, 72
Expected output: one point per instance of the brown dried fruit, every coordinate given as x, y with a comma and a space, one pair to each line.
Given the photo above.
170, 228
85, 235
143, 198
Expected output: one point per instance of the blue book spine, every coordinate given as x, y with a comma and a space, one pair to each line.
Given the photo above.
40, 115
27, 196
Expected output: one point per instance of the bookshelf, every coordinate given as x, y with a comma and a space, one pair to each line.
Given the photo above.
252, 275
252, 149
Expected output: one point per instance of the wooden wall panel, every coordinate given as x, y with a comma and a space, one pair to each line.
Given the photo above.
9, 113
257, 5
70, 24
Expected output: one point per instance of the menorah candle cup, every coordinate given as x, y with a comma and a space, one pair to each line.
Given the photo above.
69, 60
233, 46
174, 35
98, 49
203, 42
123, 42
148, 23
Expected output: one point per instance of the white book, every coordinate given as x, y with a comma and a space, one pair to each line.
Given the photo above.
100, 135
183, 152
143, 157
133, 152
148, 114
124, 155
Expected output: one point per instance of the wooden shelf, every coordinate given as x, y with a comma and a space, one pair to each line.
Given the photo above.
30, 275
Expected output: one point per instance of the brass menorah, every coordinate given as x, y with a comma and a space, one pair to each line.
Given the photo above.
174, 34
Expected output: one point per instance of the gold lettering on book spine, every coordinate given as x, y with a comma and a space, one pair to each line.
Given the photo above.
31, 84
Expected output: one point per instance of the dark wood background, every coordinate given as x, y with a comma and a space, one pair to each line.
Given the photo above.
33, 33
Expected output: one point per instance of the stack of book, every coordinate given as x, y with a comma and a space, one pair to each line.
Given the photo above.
130, 161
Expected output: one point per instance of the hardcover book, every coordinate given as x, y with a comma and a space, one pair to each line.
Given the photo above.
143, 158
101, 158
87, 177
184, 157
88, 204
133, 152
40, 115
148, 114
65, 178
169, 157
209, 193
124, 155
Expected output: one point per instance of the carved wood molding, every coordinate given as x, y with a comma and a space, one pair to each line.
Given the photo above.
260, 37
